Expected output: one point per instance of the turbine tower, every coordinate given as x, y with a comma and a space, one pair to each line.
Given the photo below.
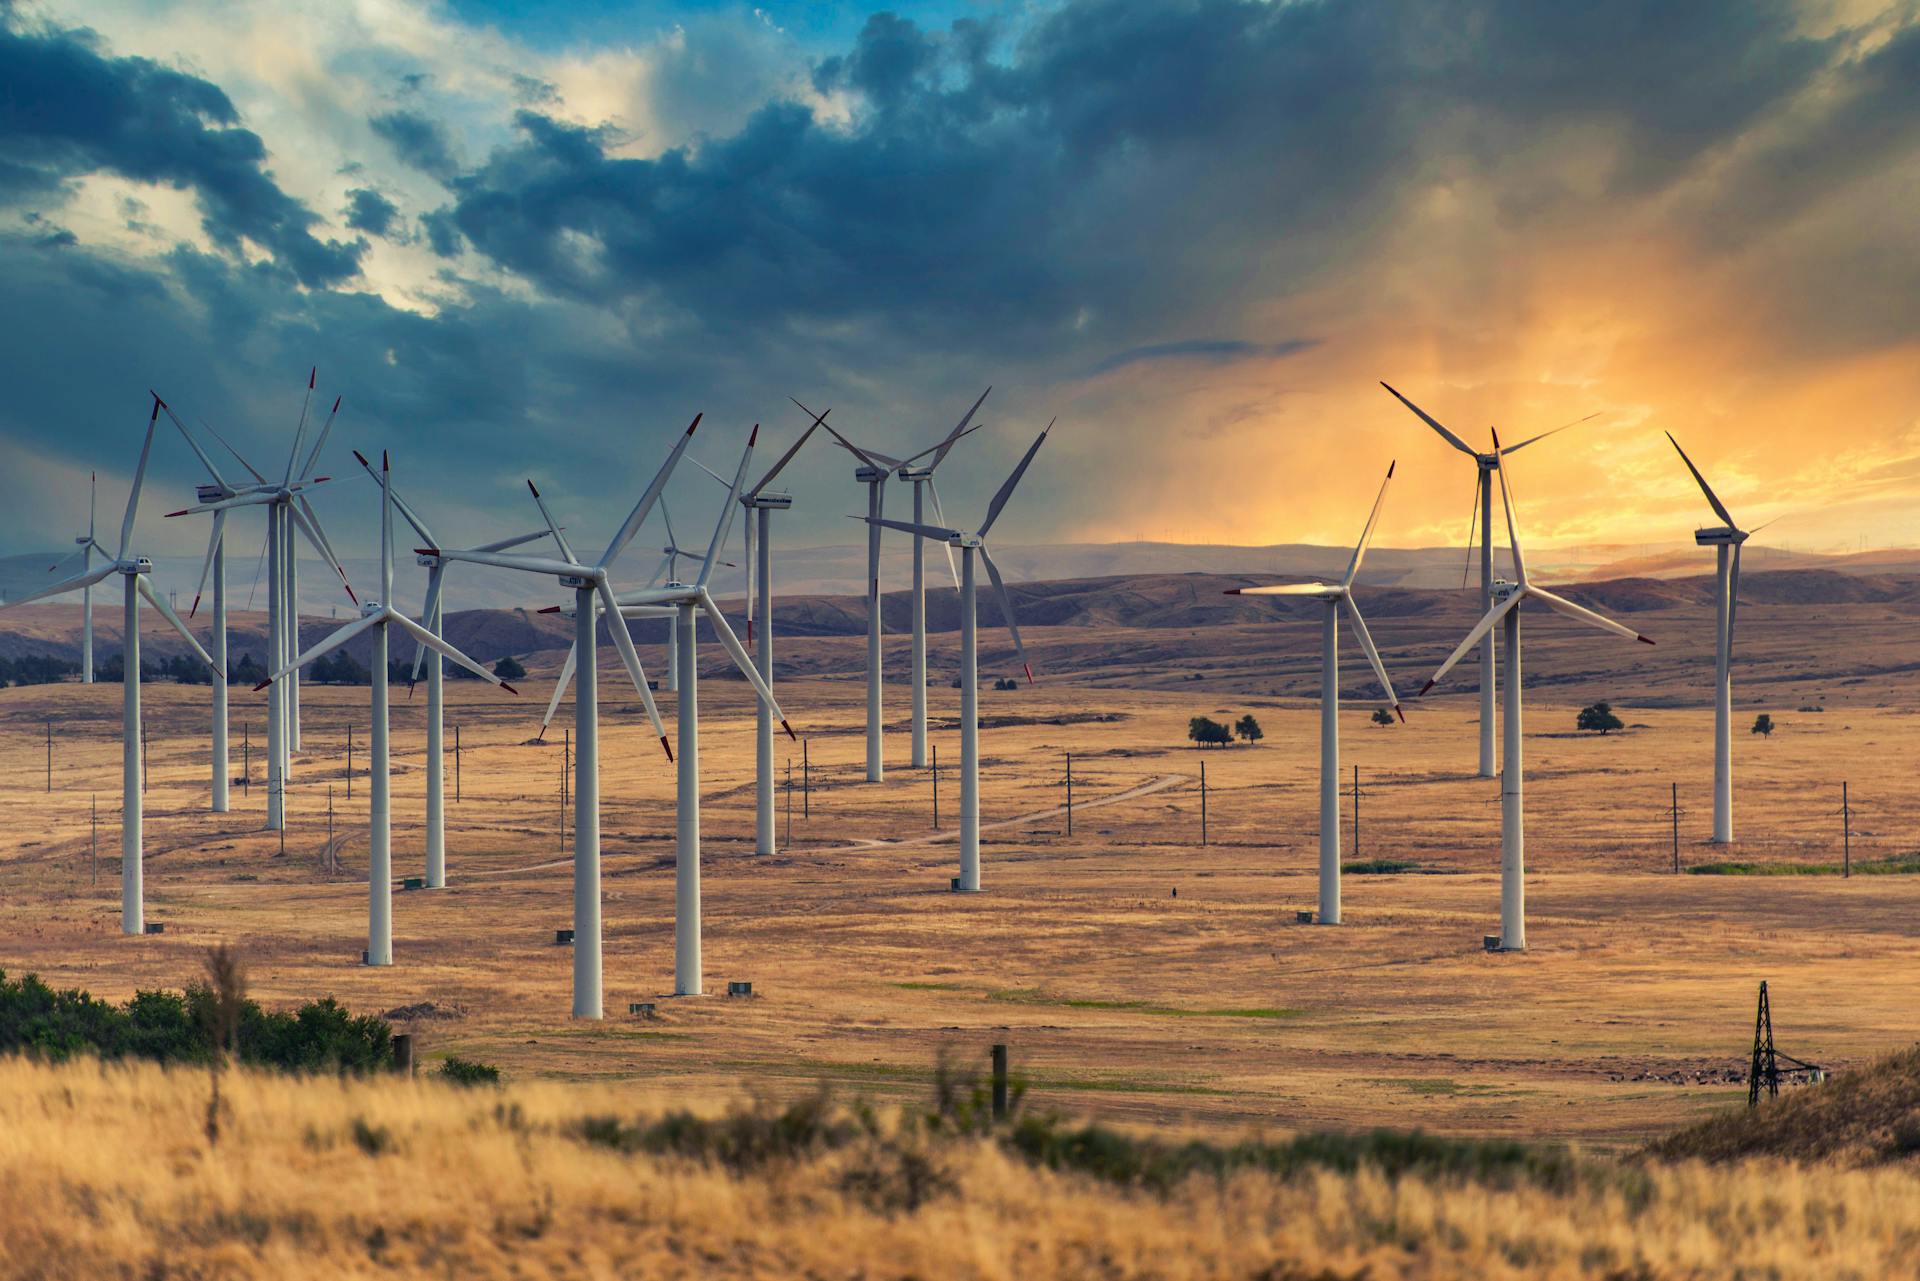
1726, 540
761, 503
1508, 597
592, 587
88, 545
1332, 596
287, 509
970, 544
1485, 464
378, 617
135, 571
432, 614
690, 601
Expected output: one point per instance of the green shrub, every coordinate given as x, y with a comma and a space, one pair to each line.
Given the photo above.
459, 1071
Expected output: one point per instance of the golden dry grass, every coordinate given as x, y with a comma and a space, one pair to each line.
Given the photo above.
105, 1172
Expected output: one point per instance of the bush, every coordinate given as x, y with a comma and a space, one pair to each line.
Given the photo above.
459, 1071
1763, 725
1599, 718
507, 669
1381, 716
1205, 731
173, 1027
1005, 683
1249, 729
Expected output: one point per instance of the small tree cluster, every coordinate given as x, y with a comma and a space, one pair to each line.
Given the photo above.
1207, 732
35, 669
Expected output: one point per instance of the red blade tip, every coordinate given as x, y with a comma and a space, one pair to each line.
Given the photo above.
362, 457
1646, 640
1397, 711
195, 609
550, 609
1029, 668
690, 426
171, 515
669, 746
1424, 689
753, 436
311, 375
790, 734
510, 689
262, 685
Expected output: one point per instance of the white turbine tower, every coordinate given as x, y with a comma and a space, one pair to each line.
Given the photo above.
88, 545
134, 569
761, 503
969, 879
287, 509
592, 588
1332, 596
1485, 463
1508, 597
690, 601
872, 472
1727, 540
432, 613
377, 617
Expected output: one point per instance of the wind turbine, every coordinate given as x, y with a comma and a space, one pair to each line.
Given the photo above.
134, 570
690, 601
1485, 464
88, 546
969, 544
432, 614
873, 472
761, 503
378, 617
920, 475
592, 587
1509, 595
1726, 540
287, 509
1332, 596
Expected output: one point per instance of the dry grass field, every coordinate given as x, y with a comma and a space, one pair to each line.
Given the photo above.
1137, 973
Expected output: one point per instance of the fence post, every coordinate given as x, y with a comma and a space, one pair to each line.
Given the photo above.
330, 854
456, 764
96, 838
1000, 1082
789, 840
49, 754
1846, 834
806, 782
349, 760
246, 759
1676, 829
1203, 801
1069, 793
1356, 811
936, 787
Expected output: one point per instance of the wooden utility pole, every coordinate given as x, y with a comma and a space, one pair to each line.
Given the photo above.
806, 782
143, 756
456, 764
96, 838
49, 755
1846, 841
246, 759
1069, 793
1356, 811
789, 840
330, 862
936, 787
1676, 829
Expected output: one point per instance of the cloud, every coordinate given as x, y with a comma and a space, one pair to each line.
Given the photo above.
1208, 350
369, 211
418, 140
70, 109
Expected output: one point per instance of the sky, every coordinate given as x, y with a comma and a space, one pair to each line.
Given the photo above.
536, 239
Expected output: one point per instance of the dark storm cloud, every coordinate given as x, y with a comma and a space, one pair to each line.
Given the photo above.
70, 109
1210, 350
420, 141
443, 233
371, 212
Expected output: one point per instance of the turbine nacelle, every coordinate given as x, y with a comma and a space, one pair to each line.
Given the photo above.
769, 499
1721, 536
869, 475
1503, 588
916, 473
133, 565
368, 608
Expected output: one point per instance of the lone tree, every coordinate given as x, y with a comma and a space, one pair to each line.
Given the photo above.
508, 669
1248, 728
1763, 725
1600, 718
1207, 732
1381, 716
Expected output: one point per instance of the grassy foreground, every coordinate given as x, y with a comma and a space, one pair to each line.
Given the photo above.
106, 1171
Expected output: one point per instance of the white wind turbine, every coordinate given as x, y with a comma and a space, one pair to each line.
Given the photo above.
1506, 611
378, 617
1727, 540
432, 613
592, 588
969, 878
761, 503
88, 545
1485, 463
134, 569
690, 601
287, 509
872, 472
1332, 596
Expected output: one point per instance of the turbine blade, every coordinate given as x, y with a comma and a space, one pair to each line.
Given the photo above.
1290, 589
1733, 599
206, 566
166, 611
139, 479
192, 444
871, 460
724, 525
313, 455
623, 642
781, 464
1006, 611
1473, 525
1480, 629
436, 578
329, 643
645, 505
65, 585
740, 660
1713, 499
1373, 655
518, 540
1366, 534
940, 518
1434, 423
1006, 489
310, 528
560, 687
1562, 605
553, 526
1543, 435
406, 510
257, 477
1513, 524
718, 478
445, 650
501, 560
908, 527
